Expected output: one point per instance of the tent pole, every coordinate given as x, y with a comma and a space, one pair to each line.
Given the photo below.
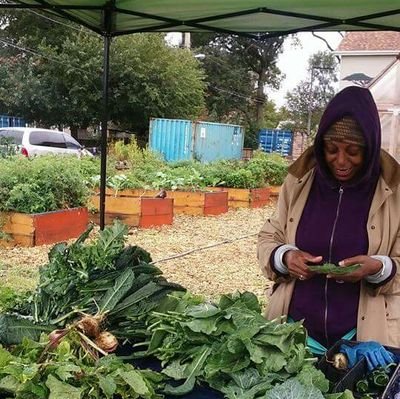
104, 120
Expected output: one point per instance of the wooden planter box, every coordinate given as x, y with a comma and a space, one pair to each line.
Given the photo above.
274, 193
196, 203
246, 197
30, 230
134, 210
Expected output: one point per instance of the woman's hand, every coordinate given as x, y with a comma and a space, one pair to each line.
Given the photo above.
296, 262
368, 267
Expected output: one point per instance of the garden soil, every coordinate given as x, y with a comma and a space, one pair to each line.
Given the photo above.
228, 264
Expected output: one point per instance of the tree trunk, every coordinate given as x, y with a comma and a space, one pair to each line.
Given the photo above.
74, 132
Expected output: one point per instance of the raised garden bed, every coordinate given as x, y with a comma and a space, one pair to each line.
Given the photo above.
30, 230
246, 197
195, 203
134, 210
274, 193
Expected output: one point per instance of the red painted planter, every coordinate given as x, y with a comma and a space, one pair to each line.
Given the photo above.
43, 228
246, 197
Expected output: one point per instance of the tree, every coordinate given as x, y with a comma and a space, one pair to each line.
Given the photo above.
239, 69
150, 79
306, 103
57, 81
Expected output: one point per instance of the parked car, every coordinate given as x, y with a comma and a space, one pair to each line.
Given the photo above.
35, 141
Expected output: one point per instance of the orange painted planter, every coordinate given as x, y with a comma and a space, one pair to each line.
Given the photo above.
246, 197
195, 203
30, 230
133, 210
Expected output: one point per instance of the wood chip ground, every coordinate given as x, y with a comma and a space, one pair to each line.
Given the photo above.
220, 269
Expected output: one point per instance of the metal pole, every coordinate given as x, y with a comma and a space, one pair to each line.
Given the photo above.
104, 120
310, 101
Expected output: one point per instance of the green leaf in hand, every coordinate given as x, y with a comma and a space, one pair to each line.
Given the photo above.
330, 268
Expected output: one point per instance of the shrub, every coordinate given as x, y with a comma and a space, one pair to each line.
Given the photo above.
41, 184
273, 167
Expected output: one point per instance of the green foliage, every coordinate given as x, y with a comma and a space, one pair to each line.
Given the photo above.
7, 147
31, 370
238, 71
42, 184
272, 167
59, 83
148, 171
230, 346
95, 277
311, 97
9, 298
329, 268
137, 158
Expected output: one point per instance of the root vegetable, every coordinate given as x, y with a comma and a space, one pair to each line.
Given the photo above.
90, 325
107, 342
55, 337
339, 361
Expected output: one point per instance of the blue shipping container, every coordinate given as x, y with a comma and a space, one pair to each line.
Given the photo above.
214, 141
173, 138
11, 121
276, 140
180, 140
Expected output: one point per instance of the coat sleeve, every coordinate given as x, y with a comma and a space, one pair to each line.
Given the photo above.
392, 287
273, 233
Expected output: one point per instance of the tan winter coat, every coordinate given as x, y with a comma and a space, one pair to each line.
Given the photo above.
379, 309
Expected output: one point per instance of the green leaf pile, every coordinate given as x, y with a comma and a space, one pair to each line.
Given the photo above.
230, 346
101, 276
31, 372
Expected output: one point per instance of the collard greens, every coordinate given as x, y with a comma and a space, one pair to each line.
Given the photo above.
233, 348
330, 268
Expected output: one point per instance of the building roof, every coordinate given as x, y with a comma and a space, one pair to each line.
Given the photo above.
370, 41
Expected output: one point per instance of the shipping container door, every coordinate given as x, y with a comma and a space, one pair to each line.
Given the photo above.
284, 142
266, 139
173, 138
214, 141
276, 140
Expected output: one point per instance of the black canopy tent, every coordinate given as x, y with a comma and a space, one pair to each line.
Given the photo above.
251, 18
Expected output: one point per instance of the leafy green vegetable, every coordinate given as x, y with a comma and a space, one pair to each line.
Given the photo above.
67, 372
14, 328
229, 345
90, 276
293, 389
329, 268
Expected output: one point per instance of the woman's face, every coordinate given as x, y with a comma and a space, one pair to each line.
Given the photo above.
344, 160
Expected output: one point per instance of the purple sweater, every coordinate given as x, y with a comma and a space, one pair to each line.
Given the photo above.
329, 307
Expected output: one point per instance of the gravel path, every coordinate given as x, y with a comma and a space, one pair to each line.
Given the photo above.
224, 268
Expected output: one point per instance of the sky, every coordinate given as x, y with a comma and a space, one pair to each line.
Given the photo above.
293, 62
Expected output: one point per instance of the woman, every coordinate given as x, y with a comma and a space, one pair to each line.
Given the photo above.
340, 203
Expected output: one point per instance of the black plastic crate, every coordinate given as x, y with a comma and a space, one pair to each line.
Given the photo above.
347, 379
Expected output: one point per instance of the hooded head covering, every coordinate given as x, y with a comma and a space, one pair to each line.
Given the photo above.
351, 116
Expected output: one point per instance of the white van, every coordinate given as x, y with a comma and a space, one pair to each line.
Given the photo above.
35, 141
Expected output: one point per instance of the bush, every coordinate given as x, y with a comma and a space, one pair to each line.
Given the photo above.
41, 184
273, 167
